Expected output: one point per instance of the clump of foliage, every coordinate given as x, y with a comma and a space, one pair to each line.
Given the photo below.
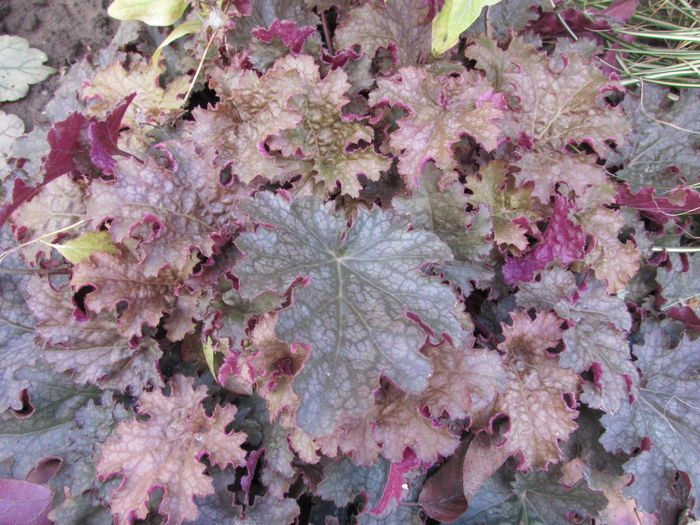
355, 281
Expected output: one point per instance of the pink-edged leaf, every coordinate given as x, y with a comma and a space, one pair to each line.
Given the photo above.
119, 280
441, 209
534, 398
401, 26
90, 346
563, 240
663, 420
596, 338
465, 381
165, 450
171, 211
287, 31
24, 503
680, 289
354, 439
441, 109
251, 109
400, 425
325, 145
612, 261
354, 301
558, 100
396, 487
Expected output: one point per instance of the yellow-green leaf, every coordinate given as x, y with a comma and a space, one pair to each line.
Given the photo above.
186, 28
208, 350
152, 12
82, 247
454, 17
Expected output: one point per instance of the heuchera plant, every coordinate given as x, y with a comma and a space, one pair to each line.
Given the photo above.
357, 282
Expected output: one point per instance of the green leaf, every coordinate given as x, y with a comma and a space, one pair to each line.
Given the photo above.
184, 29
208, 350
152, 12
81, 248
20, 66
454, 17
360, 284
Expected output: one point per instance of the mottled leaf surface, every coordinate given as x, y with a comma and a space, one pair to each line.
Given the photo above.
443, 212
56, 400
344, 480
120, 279
324, 138
681, 288
170, 210
536, 384
661, 151
441, 108
663, 420
402, 24
352, 311
17, 346
164, 451
90, 346
558, 101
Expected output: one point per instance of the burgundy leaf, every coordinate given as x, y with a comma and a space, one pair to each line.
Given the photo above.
287, 31
563, 240
77, 144
442, 497
680, 200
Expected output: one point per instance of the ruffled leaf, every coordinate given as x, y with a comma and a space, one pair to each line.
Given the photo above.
443, 212
563, 240
596, 339
534, 397
663, 420
169, 210
164, 451
119, 280
90, 346
325, 139
403, 26
558, 101
441, 109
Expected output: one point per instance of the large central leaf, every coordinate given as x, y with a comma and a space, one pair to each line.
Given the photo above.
361, 282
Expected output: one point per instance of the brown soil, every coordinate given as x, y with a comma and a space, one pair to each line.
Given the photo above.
66, 30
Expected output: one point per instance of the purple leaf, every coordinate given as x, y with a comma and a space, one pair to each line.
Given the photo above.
564, 240
24, 503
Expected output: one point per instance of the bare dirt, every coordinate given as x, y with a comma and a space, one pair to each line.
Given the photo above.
66, 30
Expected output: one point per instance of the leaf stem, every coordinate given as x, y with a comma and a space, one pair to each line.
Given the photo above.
327, 34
